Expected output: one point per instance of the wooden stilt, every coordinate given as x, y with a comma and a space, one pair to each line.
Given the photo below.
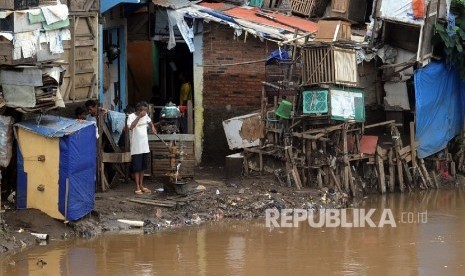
319, 178
352, 182
413, 150
380, 164
426, 174
392, 171
345, 158
336, 181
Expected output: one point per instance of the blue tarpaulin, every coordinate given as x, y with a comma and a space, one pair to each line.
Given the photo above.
440, 95
108, 4
77, 164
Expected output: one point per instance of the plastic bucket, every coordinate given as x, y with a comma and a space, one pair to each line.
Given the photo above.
284, 109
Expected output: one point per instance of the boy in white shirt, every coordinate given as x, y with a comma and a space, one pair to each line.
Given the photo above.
138, 123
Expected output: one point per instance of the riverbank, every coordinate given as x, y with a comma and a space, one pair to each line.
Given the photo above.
210, 198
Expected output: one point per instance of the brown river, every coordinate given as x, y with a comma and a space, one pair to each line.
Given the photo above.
417, 245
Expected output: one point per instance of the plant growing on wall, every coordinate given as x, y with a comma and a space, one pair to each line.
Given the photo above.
451, 37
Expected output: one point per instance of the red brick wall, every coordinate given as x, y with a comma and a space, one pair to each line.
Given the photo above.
238, 85
229, 91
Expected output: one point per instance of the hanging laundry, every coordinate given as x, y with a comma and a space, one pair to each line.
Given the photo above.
177, 18
25, 44
55, 13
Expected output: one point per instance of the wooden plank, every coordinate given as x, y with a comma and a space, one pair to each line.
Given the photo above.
345, 159
154, 203
110, 137
382, 177
336, 181
172, 137
392, 172
426, 174
412, 143
116, 157
352, 182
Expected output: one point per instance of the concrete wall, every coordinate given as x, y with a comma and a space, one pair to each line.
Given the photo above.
229, 91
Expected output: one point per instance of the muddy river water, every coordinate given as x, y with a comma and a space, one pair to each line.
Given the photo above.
416, 245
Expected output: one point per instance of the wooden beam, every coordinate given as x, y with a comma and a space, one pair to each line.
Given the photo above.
336, 181
116, 157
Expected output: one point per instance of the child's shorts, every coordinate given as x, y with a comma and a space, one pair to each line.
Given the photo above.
139, 162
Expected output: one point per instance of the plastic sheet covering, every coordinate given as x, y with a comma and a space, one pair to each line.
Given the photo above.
6, 140
440, 107
399, 10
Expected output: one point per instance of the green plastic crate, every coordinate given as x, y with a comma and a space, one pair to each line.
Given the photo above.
315, 102
256, 3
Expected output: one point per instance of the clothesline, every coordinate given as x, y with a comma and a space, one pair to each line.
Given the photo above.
232, 64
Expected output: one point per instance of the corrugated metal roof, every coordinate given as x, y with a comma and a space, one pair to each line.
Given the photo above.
282, 21
174, 4
217, 6
53, 126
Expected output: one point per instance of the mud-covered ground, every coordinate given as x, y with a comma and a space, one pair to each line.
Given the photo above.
210, 197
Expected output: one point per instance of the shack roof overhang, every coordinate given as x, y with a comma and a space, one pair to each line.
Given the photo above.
108, 4
53, 126
276, 27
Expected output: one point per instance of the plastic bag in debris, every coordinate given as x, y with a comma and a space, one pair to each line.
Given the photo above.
6, 140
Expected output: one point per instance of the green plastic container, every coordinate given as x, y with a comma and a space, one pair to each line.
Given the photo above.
256, 3
284, 109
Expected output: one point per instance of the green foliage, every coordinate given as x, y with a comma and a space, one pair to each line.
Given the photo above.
453, 43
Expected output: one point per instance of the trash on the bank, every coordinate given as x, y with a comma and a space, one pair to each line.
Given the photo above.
200, 188
158, 213
160, 190
218, 215
11, 197
196, 219
134, 223
40, 236
21, 230
323, 198
41, 262
233, 185
168, 222
217, 192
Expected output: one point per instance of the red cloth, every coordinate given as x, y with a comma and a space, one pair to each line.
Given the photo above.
418, 7
182, 108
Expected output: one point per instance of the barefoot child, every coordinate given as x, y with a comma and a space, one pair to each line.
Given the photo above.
138, 123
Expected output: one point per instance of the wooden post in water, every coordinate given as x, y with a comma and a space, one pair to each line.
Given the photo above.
392, 171
345, 158
382, 178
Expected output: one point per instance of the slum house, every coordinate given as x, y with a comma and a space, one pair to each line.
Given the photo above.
225, 75
323, 135
48, 60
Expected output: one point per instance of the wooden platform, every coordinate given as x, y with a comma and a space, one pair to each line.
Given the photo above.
179, 149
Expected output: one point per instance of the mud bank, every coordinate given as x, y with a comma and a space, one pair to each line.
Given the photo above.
210, 198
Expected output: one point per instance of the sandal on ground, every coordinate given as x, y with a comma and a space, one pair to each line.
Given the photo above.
145, 190
138, 192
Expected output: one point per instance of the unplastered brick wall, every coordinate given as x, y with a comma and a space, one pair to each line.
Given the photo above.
229, 91
238, 85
